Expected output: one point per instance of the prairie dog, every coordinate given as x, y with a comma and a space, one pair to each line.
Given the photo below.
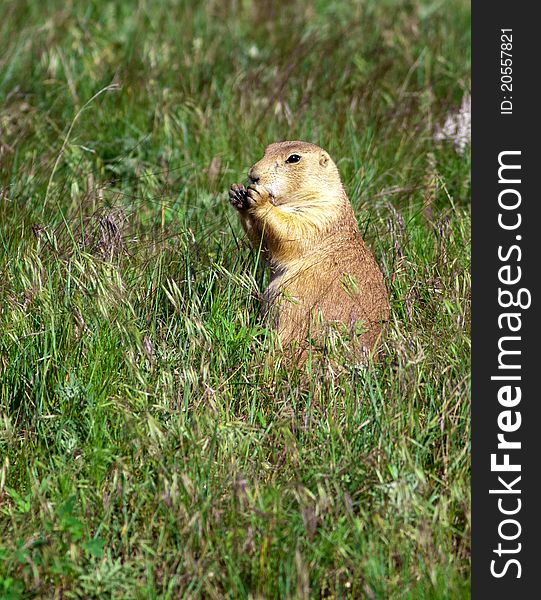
321, 271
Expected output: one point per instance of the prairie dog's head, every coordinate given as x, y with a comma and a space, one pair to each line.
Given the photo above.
293, 172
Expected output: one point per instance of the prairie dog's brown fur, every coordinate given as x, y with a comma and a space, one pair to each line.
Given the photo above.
297, 212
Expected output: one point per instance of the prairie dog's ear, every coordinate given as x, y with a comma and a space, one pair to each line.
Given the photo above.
324, 159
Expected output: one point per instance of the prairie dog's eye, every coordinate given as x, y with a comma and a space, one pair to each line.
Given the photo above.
294, 158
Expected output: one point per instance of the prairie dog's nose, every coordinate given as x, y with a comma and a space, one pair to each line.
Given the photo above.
254, 177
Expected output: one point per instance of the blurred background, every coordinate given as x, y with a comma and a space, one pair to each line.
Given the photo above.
204, 86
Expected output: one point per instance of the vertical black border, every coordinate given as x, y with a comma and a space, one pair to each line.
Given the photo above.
492, 133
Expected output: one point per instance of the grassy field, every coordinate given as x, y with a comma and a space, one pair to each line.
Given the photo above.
152, 442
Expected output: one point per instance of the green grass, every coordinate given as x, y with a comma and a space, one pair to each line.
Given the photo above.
152, 443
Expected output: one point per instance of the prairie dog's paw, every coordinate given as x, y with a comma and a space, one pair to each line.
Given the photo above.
257, 195
238, 196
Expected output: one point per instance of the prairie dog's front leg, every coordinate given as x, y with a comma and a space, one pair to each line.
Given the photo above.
278, 232
238, 196
285, 231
